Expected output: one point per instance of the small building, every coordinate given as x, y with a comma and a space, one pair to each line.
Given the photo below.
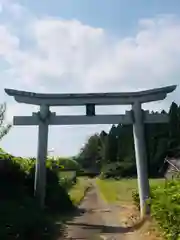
173, 168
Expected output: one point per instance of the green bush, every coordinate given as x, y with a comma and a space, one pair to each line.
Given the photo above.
20, 215
165, 208
86, 173
135, 196
118, 170
68, 163
57, 197
23, 220
14, 179
67, 182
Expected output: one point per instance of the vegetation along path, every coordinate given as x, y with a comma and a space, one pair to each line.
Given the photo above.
95, 219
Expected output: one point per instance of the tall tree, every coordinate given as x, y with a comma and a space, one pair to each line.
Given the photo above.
174, 128
125, 142
90, 154
174, 121
117, 147
4, 128
111, 145
103, 145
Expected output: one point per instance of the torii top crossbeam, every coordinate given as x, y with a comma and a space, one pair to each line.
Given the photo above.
90, 98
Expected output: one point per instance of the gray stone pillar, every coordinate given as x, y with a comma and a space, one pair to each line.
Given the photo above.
40, 172
141, 157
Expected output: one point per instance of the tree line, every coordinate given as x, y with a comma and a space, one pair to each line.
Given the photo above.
113, 153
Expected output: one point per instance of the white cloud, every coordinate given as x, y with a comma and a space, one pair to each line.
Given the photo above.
69, 53
14, 8
8, 42
67, 56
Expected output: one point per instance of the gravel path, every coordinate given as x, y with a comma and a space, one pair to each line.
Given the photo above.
95, 220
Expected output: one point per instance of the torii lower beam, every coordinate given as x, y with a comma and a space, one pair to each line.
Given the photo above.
84, 120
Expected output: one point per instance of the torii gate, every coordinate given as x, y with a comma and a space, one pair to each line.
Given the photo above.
136, 116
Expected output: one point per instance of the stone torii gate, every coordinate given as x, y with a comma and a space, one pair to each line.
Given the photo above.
136, 116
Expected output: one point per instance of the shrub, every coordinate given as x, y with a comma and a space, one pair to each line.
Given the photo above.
68, 163
14, 179
21, 217
23, 220
135, 196
57, 197
165, 208
118, 170
86, 173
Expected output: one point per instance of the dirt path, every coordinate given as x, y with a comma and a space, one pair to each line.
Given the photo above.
85, 224
95, 220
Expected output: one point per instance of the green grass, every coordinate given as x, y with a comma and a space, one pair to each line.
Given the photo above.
121, 190
77, 192
68, 174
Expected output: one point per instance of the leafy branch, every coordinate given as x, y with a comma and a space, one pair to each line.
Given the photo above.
4, 128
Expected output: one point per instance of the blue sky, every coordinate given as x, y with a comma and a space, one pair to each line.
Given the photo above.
84, 46
117, 16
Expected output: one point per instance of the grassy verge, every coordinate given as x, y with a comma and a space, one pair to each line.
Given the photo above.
121, 190
78, 191
165, 208
76, 194
67, 174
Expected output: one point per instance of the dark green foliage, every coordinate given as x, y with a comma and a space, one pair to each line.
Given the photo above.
117, 147
119, 170
90, 155
112, 145
174, 127
14, 180
125, 142
87, 173
21, 217
23, 220
57, 198
165, 208
157, 137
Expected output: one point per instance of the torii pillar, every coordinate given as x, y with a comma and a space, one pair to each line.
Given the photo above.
40, 170
141, 157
